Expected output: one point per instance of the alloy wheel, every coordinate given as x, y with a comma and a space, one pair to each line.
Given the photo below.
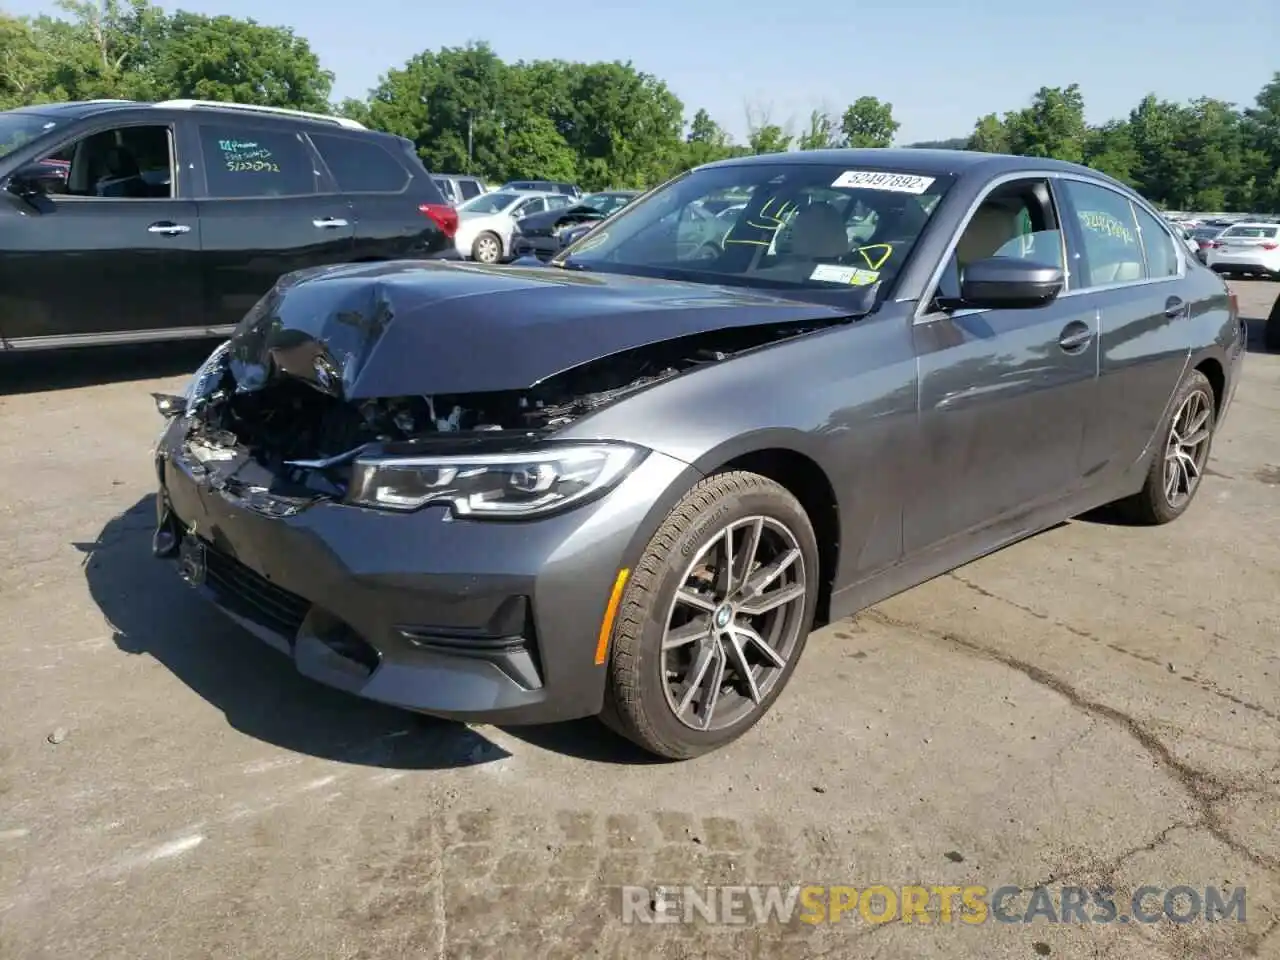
1187, 449
734, 623
486, 250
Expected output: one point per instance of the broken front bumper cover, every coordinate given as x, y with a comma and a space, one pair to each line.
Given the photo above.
472, 620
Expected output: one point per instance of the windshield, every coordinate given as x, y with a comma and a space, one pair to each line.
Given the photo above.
19, 128
489, 202
606, 203
790, 226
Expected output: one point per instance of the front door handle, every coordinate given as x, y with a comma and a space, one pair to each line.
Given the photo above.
1075, 337
168, 228
1176, 307
329, 223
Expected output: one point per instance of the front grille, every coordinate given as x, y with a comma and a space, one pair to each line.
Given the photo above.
253, 596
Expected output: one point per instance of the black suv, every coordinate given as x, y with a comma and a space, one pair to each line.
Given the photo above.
123, 221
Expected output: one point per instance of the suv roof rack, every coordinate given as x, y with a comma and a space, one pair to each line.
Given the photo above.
185, 104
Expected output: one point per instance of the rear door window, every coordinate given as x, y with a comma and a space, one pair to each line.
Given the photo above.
360, 166
1162, 259
251, 161
1112, 252
469, 188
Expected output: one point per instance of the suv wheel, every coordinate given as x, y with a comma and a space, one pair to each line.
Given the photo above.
487, 248
715, 617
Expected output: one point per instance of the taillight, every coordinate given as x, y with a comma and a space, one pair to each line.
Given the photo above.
1218, 244
444, 216
1270, 246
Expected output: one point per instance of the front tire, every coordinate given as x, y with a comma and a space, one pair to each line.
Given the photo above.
714, 618
1179, 462
487, 248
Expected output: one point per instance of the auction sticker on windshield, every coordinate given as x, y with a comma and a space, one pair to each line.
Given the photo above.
873, 180
834, 273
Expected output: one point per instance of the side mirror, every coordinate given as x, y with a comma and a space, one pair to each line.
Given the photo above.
1008, 283
35, 179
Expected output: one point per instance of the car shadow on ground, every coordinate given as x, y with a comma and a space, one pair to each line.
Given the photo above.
152, 612
40, 372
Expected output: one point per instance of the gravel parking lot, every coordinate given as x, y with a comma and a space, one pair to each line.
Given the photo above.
1099, 705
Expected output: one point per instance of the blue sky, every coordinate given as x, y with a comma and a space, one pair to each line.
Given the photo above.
940, 63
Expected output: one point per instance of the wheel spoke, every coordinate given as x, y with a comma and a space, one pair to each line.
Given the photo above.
1196, 423
699, 673
741, 667
691, 632
766, 575
743, 562
1189, 468
1171, 471
772, 655
714, 683
765, 602
695, 600
1195, 439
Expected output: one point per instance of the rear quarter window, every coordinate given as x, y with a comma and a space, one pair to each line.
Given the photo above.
361, 165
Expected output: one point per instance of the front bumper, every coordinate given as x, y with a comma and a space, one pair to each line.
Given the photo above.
473, 620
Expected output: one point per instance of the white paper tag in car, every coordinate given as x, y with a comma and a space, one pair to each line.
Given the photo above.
834, 273
875, 180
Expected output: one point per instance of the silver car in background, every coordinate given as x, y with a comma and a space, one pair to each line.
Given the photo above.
487, 222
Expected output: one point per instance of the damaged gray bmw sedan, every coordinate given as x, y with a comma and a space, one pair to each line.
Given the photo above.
629, 482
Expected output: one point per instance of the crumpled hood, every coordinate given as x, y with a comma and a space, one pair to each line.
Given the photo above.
409, 328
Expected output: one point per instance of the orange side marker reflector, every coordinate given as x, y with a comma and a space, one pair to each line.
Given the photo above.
610, 614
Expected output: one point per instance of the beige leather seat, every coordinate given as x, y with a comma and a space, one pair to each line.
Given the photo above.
818, 233
990, 229
1120, 271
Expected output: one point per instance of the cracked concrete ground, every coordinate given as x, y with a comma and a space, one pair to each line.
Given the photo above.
1098, 705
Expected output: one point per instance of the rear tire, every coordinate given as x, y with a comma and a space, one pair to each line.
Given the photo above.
669, 651
1180, 458
487, 248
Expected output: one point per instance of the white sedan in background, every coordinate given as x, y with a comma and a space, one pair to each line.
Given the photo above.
486, 222
1247, 248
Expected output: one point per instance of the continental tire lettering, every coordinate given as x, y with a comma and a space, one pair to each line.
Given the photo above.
691, 542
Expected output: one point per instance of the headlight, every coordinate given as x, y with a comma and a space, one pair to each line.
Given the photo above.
496, 485
208, 375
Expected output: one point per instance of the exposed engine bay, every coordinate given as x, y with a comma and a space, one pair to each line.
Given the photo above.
291, 427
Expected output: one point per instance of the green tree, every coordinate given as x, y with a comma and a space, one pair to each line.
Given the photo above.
1052, 126
222, 58
1109, 148
868, 122
821, 134
989, 135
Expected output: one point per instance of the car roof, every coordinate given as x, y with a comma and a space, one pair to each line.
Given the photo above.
1253, 223
927, 162
80, 109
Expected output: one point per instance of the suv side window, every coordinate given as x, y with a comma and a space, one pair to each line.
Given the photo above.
469, 188
1112, 252
131, 163
244, 162
360, 166
1162, 259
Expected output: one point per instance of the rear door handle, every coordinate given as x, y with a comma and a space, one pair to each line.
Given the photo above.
168, 228
329, 223
1075, 337
1176, 307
